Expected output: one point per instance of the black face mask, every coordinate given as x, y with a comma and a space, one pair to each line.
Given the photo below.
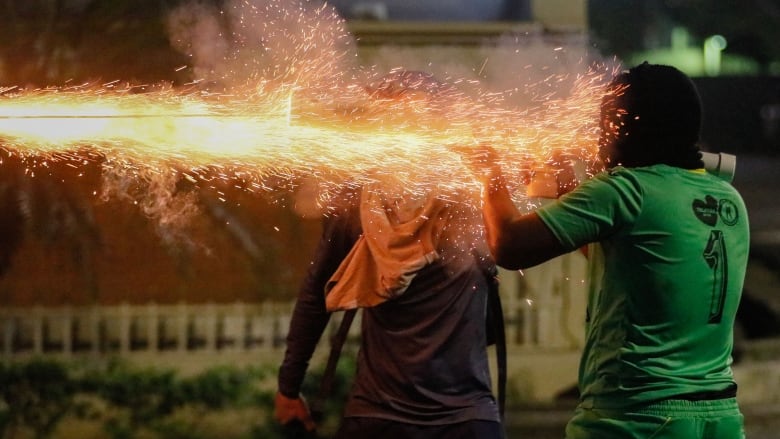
650, 115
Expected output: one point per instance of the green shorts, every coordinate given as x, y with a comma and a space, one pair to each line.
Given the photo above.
715, 419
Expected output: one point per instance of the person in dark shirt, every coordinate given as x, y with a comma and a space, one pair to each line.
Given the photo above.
422, 366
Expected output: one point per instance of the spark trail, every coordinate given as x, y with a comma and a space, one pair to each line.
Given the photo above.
296, 113
275, 134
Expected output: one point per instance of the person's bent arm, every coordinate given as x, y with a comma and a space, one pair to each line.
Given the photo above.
516, 240
310, 317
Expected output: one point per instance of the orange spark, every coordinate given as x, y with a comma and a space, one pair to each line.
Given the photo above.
284, 133
297, 110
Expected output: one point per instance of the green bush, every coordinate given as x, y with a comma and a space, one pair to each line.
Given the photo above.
35, 396
128, 401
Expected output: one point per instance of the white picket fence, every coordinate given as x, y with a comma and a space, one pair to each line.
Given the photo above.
542, 309
127, 329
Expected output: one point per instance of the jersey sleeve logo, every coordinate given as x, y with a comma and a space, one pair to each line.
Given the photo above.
706, 210
728, 212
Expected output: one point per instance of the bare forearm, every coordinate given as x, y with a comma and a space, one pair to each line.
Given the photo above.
499, 212
516, 240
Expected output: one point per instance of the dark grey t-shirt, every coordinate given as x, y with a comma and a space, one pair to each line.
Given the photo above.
423, 357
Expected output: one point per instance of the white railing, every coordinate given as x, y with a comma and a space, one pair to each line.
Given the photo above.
542, 310
125, 329
128, 329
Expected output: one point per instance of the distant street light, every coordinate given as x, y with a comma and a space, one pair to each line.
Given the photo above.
713, 46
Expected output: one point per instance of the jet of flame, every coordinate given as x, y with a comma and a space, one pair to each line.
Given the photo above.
275, 133
303, 117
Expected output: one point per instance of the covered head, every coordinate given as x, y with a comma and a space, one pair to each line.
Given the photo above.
651, 115
409, 101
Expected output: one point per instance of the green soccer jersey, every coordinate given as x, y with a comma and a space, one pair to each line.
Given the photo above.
674, 244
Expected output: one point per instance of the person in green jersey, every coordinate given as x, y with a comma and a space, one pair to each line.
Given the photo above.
673, 244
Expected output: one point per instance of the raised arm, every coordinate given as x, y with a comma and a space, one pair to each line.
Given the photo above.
516, 240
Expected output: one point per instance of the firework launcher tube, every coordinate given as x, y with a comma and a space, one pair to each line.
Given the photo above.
720, 164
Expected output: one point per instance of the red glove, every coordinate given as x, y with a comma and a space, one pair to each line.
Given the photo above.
287, 410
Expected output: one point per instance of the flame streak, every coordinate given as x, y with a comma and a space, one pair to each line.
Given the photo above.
297, 112
276, 136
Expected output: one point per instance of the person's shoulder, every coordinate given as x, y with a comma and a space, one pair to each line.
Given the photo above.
615, 181
622, 171
610, 176
635, 176
651, 171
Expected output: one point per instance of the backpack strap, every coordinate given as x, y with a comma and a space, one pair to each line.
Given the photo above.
494, 324
495, 321
336, 344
